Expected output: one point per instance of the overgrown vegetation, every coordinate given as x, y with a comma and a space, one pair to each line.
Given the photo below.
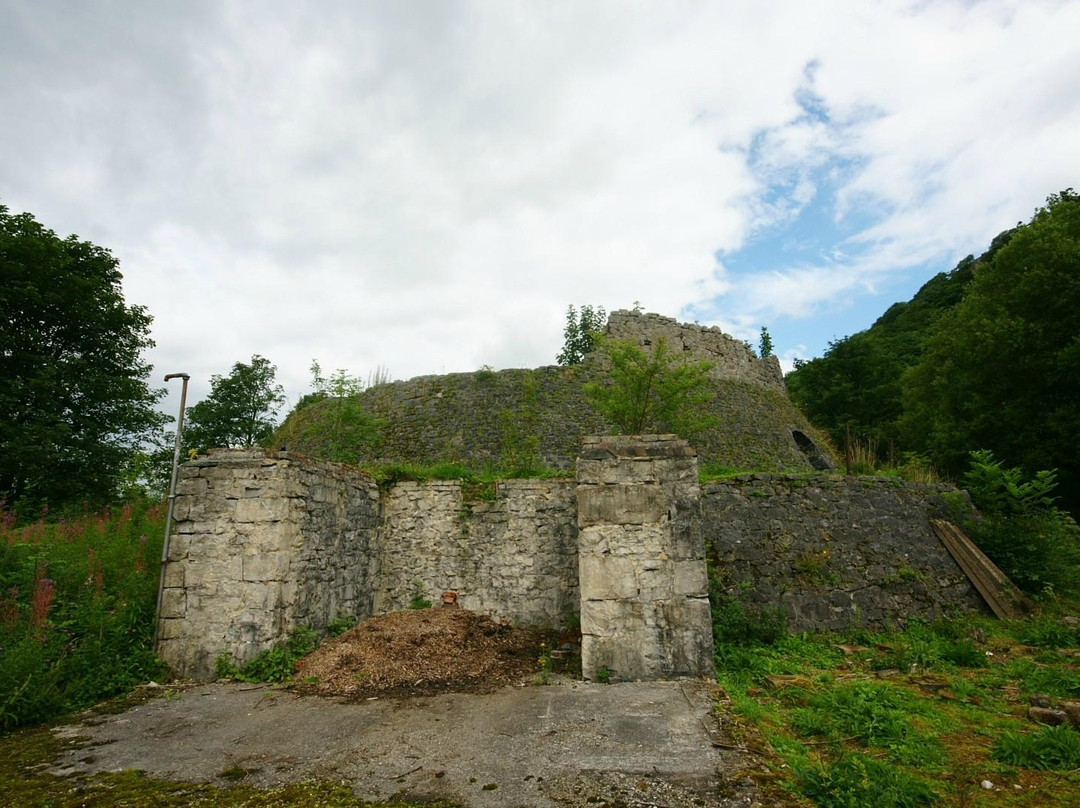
916, 717
331, 423
652, 391
77, 600
985, 356
1022, 530
580, 333
278, 664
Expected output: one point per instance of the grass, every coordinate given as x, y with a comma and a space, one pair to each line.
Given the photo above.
908, 718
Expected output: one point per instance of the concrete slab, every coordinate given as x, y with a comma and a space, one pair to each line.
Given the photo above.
572, 744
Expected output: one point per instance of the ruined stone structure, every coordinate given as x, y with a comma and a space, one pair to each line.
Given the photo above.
267, 542
502, 417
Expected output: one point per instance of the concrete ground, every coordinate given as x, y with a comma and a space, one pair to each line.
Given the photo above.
570, 744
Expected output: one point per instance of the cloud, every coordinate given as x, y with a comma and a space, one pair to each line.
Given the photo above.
426, 185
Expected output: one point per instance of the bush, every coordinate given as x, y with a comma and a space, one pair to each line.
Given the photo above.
1033, 542
735, 624
77, 602
275, 665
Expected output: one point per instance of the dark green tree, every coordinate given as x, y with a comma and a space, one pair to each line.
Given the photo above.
765, 346
241, 410
74, 400
652, 391
1003, 371
580, 333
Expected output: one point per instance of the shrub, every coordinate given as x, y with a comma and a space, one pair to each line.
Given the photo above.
736, 624
1035, 543
278, 664
77, 601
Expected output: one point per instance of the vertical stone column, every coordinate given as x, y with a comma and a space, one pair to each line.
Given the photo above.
641, 559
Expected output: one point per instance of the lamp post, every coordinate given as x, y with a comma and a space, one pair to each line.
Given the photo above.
172, 499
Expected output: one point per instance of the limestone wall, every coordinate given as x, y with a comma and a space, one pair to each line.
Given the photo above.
509, 550
501, 417
835, 551
266, 542
263, 544
644, 589
731, 358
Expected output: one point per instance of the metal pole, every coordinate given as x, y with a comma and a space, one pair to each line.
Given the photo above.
172, 500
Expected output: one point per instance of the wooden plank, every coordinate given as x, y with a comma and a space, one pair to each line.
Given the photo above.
987, 579
1000, 594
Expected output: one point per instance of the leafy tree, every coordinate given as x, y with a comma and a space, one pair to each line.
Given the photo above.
652, 391
331, 423
765, 345
1003, 370
241, 409
580, 333
74, 399
858, 383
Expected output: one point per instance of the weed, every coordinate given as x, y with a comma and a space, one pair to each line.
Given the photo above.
340, 624
77, 600
858, 780
278, 664
602, 675
419, 601
1048, 749
736, 624
1046, 633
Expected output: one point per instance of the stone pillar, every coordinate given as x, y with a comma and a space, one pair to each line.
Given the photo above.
641, 556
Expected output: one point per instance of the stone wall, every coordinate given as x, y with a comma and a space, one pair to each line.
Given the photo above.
263, 544
834, 551
644, 588
506, 416
509, 550
267, 542
731, 359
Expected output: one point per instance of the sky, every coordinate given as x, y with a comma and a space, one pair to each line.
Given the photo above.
424, 187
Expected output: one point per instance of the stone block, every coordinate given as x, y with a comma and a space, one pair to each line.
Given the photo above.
262, 510
173, 603
606, 577
621, 505
690, 578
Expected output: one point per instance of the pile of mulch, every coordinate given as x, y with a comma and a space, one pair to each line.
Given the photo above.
421, 652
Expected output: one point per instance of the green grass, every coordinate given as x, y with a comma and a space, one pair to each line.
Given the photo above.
908, 718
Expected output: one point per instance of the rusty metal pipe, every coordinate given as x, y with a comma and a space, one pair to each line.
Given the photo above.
172, 500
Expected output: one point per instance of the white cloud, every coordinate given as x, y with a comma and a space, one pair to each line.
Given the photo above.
427, 185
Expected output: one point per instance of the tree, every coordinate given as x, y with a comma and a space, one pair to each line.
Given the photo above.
241, 409
765, 346
74, 399
580, 333
652, 391
331, 422
1002, 372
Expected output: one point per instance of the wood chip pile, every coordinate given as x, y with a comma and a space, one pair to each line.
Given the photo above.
421, 652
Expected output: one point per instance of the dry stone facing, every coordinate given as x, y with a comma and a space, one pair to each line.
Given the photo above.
266, 542
641, 560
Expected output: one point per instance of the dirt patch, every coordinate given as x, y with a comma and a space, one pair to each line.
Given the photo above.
421, 653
